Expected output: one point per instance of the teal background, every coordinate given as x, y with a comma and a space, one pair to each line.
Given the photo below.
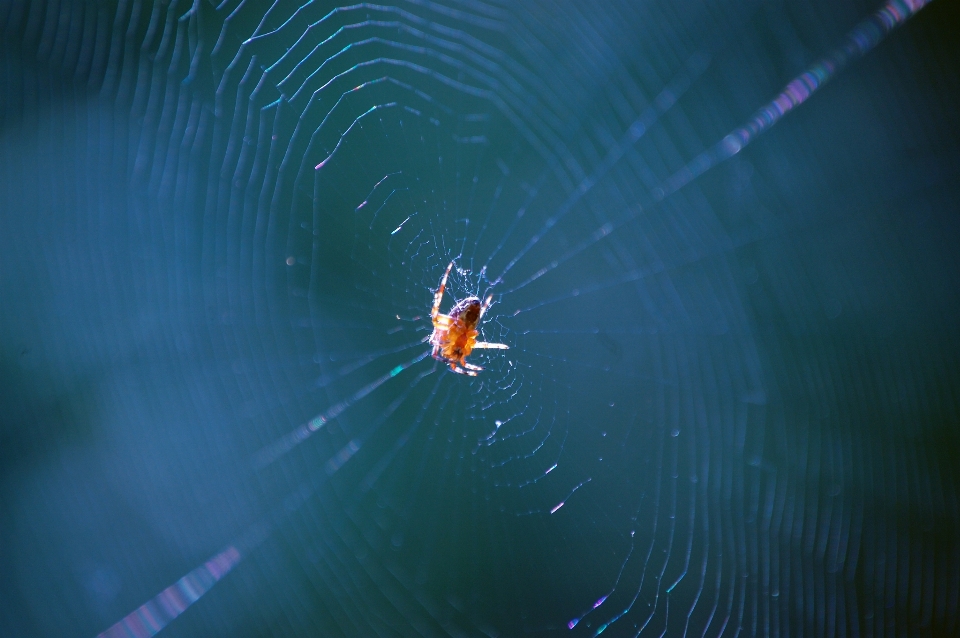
760, 420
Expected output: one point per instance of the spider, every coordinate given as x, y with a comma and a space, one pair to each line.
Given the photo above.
455, 335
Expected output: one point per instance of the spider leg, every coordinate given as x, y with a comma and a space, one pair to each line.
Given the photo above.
470, 366
470, 372
494, 346
438, 296
483, 308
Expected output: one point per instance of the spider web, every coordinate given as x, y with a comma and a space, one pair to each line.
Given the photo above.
655, 454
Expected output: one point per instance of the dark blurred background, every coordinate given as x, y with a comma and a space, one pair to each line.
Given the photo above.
750, 390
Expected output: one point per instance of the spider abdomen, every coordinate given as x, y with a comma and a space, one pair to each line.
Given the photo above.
468, 311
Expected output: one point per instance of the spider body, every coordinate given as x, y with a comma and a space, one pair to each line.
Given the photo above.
455, 335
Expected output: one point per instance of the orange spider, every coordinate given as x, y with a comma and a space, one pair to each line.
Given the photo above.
455, 335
